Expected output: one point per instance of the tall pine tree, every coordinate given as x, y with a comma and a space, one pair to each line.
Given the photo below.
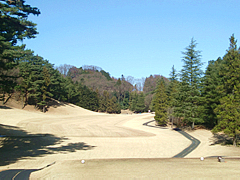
210, 94
161, 104
140, 105
171, 93
228, 111
14, 26
188, 98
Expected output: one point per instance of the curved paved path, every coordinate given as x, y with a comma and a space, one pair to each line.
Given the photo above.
17, 174
189, 149
186, 151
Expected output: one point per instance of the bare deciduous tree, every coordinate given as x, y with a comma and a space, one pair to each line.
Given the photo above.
130, 79
91, 68
63, 69
140, 83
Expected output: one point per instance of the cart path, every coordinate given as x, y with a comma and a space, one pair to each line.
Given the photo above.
17, 174
186, 151
189, 149
20, 174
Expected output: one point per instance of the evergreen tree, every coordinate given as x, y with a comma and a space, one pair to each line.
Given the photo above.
140, 105
88, 99
230, 68
58, 85
172, 87
14, 26
72, 91
188, 98
106, 74
14, 23
113, 106
161, 104
125, 103
103, 102
228, 112
171, 93
133, 101
118, 93
32, 78
210, 94
152, 105
45, 88
36, 77
9, 55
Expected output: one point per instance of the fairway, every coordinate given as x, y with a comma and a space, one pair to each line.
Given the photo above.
143, 169
111, 145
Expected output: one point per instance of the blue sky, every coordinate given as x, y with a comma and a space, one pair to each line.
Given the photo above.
132, 37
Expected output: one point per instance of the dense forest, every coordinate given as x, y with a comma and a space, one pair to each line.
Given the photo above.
188, 97
209, 98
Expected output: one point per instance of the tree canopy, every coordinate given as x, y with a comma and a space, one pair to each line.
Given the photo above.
161, 105
188, 97
228, 111
14, 26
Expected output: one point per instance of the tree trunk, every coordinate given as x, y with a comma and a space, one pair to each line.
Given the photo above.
9, 96
193, 125
26, 99
177, 121
235, 140
3, 97
22, 102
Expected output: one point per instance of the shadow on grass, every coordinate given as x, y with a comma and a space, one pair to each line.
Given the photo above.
17, 144
54, 103
4, 107
221, 139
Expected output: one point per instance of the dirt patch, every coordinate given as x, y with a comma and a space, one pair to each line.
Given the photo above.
127, 111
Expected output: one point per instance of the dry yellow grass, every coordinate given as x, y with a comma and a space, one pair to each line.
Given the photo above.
142, 169
114, 146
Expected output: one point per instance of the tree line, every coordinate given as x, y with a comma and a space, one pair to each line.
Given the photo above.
37, 81
189, 97
210, 98
30, 75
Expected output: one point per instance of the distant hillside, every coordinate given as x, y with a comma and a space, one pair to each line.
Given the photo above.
97, 79
125, 93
